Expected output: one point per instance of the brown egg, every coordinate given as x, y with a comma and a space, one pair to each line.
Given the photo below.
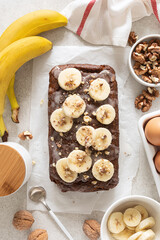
152, 131
157, 161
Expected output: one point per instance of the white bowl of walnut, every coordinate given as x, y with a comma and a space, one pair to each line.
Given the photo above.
144, 60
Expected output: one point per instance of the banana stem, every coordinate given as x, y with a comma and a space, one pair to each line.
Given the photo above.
13, 101
3, 130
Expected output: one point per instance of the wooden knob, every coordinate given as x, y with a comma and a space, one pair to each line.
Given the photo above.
12, 170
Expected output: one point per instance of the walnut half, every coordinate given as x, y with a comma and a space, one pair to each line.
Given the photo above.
38, 234
92, 229
23, 220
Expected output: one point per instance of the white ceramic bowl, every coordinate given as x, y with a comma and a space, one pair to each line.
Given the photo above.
131, 61
151, 205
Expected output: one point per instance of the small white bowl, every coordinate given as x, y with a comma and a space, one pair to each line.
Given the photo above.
152, 206
149, 148
131, 61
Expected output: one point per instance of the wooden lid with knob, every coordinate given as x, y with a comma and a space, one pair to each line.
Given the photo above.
12, 170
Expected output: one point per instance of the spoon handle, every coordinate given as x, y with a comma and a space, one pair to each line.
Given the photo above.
60, 225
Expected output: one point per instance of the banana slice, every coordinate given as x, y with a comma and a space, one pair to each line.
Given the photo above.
102, 139
60, 122
148, 235
85, 135
105, 114
124, 235
115, 222
135, 236
79, 161
103, 170
69, 79
132, 217
131, 228
142, 211
63, 170
99, 89
74, 106
146, 224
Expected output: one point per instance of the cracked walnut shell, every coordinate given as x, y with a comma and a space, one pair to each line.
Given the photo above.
23, 220
38, 234
92, 229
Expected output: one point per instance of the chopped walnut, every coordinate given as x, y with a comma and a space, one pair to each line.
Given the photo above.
138, 57
85, 177
94, 182
144, 100
87, 119
154, 48
25, 135
132, 38
52, 139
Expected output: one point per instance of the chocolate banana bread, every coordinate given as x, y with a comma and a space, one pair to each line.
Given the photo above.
62, 143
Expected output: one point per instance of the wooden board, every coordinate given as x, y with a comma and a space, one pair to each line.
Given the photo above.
12, 170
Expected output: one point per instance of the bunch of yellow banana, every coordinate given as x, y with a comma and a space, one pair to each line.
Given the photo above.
19, 44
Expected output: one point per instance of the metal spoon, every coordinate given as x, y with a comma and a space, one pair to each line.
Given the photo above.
38, 194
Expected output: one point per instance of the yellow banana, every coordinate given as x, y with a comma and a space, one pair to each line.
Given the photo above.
11, 59
30, 24
13, 101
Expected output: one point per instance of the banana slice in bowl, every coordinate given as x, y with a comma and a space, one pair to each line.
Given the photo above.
74, 106
102, 139
60, 122
105, 114
99, 89
79, 161
103, 170
85, 136
132, 217
146, 224
142, 211
148, 235
115, 222
63, 170
69, 79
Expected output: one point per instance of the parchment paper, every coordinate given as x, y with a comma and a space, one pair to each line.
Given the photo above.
76, 202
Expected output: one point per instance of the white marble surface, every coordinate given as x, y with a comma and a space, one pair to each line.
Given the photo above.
142, 184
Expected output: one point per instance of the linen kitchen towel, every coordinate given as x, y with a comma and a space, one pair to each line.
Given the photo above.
107, 22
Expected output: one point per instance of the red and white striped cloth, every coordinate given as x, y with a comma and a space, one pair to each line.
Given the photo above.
107, 22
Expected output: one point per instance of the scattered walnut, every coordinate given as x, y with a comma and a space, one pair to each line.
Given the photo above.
61, 134
92, 229
132, 38
144, 100
23, 220
33, 163
25, 135
41, 102
38, 234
